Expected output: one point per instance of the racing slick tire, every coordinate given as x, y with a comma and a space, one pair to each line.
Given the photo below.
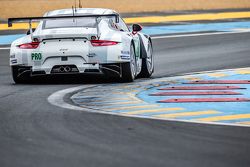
129, 69
20, 77
147, 63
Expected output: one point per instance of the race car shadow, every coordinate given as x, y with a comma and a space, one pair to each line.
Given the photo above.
73, 79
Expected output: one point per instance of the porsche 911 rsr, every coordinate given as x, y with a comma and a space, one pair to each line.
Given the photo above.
81, 41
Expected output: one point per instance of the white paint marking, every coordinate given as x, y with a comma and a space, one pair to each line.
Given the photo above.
7, 48
200, 34
57, 98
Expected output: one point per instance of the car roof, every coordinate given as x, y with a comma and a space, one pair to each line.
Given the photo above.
97, 11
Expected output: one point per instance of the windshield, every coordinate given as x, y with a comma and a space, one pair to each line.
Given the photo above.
66, 23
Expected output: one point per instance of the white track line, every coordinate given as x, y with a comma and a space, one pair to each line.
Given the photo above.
197, 73
56, 99
200, 34
7, 48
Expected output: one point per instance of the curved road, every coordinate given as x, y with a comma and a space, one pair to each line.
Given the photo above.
35, 133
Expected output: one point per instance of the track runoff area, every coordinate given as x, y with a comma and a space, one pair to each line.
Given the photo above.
216, 97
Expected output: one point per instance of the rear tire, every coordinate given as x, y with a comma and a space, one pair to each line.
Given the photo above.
20, 77
147, 63
129, 69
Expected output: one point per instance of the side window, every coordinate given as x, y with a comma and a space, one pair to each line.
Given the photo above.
122, 25
113, 25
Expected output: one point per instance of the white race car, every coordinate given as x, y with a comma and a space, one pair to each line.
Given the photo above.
78, 41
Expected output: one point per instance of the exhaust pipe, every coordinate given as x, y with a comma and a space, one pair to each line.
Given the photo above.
67, 69
61, 69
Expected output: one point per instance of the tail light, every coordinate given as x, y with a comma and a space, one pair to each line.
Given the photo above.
103, 43
32, 45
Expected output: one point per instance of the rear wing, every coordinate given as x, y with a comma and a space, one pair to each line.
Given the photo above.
36, 19
31, 19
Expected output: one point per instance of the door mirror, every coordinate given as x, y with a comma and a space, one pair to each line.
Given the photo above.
28, 32
136, 27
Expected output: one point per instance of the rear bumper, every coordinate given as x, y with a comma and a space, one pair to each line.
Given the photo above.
113, 69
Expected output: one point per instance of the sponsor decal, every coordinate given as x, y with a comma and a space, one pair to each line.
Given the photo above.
12, 56
63, 50
36, 56
91, 55
125, 52
14, 61
126, 57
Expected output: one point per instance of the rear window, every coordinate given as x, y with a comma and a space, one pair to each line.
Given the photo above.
66, 23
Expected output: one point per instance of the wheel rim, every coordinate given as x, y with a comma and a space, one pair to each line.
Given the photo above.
150, 63
132, 62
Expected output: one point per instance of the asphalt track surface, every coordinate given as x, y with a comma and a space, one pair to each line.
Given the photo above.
35, 133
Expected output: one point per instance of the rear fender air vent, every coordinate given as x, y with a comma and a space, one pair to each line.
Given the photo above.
113, 69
